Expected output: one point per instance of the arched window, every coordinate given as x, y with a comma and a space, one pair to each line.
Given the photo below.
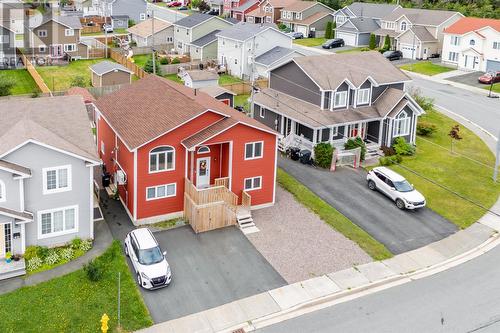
401, 124
403, 26
162, 159
472, 42
203, 150
3, 191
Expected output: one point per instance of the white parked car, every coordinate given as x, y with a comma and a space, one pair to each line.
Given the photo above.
395, 187
150, 263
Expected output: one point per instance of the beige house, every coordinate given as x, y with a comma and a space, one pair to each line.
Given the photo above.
307, 17
107, 73
142, 33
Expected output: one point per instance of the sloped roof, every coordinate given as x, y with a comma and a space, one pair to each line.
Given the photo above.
385, 32
308, 20
193, 20
207, 39
245, 6
421, 16
361, 24
355, 67
276, 53
468, 24
79, 91
208, 132
215, 91
145, 28
153, 106
202, 75
423, 34
60, 122
24, 216
14, 168
372, 10
244, 30
72, 22
299, 6
107, 66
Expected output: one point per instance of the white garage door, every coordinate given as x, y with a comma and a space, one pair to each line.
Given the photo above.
492, 66
349, 39
301, 28
409, 51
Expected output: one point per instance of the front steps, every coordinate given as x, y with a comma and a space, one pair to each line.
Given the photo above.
245, 222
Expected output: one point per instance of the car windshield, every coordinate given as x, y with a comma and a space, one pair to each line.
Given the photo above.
386, 53
150, 256
403, 186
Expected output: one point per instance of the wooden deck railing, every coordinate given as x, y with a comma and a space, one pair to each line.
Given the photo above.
210, 195
246, 200
222, 182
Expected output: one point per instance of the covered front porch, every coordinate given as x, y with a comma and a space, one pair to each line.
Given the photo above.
12, 241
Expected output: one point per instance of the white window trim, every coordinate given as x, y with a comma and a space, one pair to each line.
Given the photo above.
334, 99
67, 45
69, 32
203, 152
42, 48
262, 112
57, 190
3, 191
156, 191
59, 233
401, 26
166, 164
42, 33
335, 131
406, 122
253, 188
142, 16
358, 95
253, 151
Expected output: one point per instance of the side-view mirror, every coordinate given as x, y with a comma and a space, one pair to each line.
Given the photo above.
135, 259
393, 189
164, 253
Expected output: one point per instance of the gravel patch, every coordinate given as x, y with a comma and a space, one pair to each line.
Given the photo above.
298, 244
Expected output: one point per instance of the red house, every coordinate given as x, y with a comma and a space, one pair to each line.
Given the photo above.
239, 8
157, 138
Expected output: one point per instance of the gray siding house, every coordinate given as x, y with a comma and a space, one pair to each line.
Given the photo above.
361, 96
134, 9
7, 48
47, 157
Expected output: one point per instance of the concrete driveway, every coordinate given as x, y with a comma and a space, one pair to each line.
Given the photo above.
209, 269
469, 79
346, 190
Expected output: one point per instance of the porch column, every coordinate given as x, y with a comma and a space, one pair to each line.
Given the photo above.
23, 238
315, 136
192, 167
282, 125
380, 132
231, 165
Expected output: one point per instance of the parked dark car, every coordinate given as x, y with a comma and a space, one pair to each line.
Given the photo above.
489, 78
213, 12
393, 55
296, 35
331, 43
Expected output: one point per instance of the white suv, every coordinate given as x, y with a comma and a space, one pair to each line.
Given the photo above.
150, 264
395, 187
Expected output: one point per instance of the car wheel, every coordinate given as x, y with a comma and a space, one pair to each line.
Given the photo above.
371, 185
125, 249
139, 280
400, 204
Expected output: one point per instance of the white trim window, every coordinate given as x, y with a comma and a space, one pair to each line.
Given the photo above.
3, 192
56, 179
42, 48
69, 32
455, 40
69, 47
203, 150
363, 96
262, 112
472, 42
42, 33
254, 150
496, 45
401, 125
162, 159
161, 191
142, 16
453, 56
253, 183
403, 26
57, 222
340, 99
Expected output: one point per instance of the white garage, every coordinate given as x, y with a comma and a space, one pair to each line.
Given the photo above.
301, 28
492, 66
409, 51
349, 38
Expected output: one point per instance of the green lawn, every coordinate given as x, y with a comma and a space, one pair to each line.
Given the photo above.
72, 303
426, 68
23, 82
58, 78
101, 33
353, 50
174, 78
333, 217
496, 87
228, 79
454, 171
141, 59
310, 41
242, 100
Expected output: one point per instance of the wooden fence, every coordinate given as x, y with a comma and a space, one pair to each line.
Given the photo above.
34, 74
244, 87
121, 59
210, 208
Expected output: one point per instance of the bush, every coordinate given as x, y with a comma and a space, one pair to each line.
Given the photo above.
387, 43
6, 85
425, 129
323, 153
163, 61
401, 147
424, 102
390, 160
175, 61
282, 26
94, 270
364, 49
329, 30
52, 258
76, 243
78, 81
355, 143
86, 245
67, 254
388, 151
34, 263
42, 252
30, 252
373, 42
148, 67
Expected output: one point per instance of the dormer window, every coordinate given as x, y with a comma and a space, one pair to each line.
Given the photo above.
363, 96
403, 26
340, 99
402, 124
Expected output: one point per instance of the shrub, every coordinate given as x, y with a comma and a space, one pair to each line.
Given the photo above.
387, 43
329, 30
401, 147
176, 61
390, 160
86, 245
364, 49
30, 252
425, 129
42, 252
163, 61
388, 151
424, 102
282, 26
76, 243
34, 263
373, 42
67, 254
78, 81
94, 270
355, 143
148, 67
6, 85
334, 26
323, 153
52, 258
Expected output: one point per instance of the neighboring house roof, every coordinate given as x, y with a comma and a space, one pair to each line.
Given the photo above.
106, 66
23, 216
207, 39
201, 75
299, 6
280, 3
216, 2
421, 16
60, 122
257, 12
359, 24
244, 30
356, 68
79, 91
72, 22
273, 55
468, 24
373, 10
153, 106
385, 32
308, 20
231, 20
120, 17
245, 6
145, 28
422, 34
215, 91
208, 132
14, 168
194, 20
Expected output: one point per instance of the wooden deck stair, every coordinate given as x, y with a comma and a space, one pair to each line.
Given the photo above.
244, 215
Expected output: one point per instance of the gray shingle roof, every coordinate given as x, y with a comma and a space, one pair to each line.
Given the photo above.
193, 20
423, 34
106, 66
207, 39
245, 6
360, 24
421, 16
242, 31
373, 10
276, 53
72, 22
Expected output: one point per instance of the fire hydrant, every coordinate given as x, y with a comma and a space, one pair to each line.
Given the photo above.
104, 322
